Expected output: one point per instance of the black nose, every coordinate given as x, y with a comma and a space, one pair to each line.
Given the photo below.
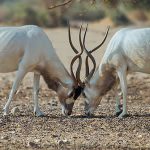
69, 113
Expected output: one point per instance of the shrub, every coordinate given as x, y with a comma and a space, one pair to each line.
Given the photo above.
35, 12
85, 11
119, 18
25, 12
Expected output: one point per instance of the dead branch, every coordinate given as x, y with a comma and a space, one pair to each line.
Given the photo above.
59, 5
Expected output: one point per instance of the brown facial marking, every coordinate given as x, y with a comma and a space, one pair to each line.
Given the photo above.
107, 81
51, 83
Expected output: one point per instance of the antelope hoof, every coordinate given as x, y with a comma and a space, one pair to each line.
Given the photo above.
123, 115
89, 115
5, 112
39, 114
118, 113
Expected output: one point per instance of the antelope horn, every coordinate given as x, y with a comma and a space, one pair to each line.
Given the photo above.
78, 56
89, 75
70, 40
80, 60
97, 47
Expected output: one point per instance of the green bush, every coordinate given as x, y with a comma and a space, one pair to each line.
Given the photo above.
35, 12
85, 11
138, 4
25, 12
119, 18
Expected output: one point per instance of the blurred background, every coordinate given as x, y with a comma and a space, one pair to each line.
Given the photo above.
113, 12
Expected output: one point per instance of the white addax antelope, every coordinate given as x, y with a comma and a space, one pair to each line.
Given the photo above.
28, 49
128, 51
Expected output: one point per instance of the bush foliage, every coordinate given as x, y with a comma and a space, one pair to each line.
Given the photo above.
37, 12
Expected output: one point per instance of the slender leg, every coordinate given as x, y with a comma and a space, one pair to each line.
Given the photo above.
118, 109
20, 75
36, 81
123, 84
118, 105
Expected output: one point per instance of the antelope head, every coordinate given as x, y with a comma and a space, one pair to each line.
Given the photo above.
77, 88
92, 89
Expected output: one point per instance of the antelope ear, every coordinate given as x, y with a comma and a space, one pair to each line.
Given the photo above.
77, 93
87, 83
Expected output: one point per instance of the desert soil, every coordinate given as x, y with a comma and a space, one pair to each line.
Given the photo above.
54, 131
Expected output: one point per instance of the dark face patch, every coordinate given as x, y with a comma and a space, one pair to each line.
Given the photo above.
77, 92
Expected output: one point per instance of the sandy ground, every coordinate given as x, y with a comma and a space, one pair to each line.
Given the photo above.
104, 131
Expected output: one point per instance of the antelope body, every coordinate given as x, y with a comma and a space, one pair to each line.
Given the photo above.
28, 49
127, 51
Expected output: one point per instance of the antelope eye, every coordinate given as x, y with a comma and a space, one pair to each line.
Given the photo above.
83, 94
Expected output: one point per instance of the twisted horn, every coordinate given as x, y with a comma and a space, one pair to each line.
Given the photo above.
78, 56
90, 74
80, 59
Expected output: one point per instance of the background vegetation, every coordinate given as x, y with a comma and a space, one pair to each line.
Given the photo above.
14, 12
